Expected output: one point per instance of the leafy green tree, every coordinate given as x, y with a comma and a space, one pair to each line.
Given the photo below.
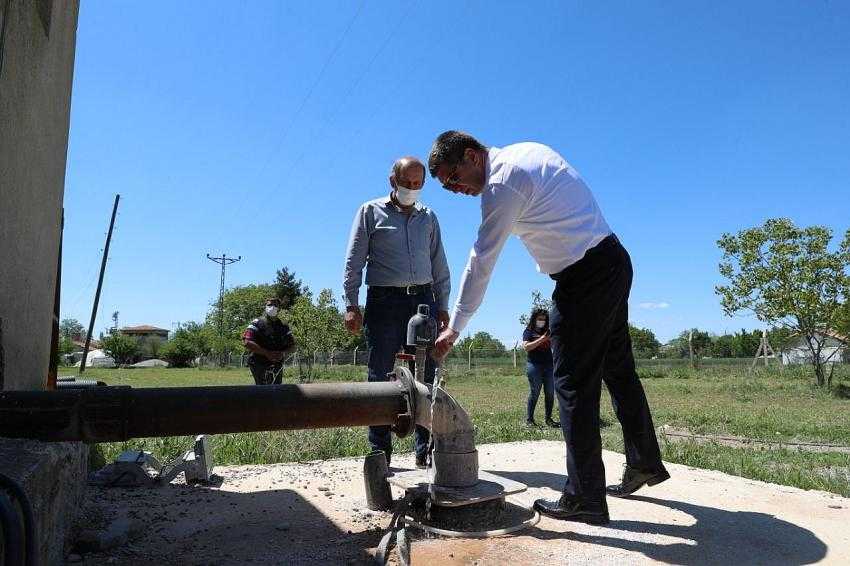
150, 347
200, 336
287, 288
701, 342
786, 276
242, 304
317, 325
644, 343
722, 346
66, 347
179, 351
537, 302
745, 344
779, 338
71, 329
121, 348
481, 342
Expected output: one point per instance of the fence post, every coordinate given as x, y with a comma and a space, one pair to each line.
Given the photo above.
332, 357
469, 358
514, 352
691, 347
355, 355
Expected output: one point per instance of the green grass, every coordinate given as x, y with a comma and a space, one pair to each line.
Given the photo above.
781, 406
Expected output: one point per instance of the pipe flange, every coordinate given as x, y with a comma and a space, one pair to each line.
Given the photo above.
405, 422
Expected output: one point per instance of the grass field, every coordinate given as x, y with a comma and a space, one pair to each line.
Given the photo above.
780, 406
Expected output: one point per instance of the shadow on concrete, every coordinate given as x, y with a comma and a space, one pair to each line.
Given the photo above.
717, 537
194, 525
535, 479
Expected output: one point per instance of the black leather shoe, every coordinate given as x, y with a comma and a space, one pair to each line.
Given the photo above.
421, 461
634, 479
552, 423
574, 509
531, 424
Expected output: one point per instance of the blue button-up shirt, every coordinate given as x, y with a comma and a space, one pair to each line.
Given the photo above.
400, 249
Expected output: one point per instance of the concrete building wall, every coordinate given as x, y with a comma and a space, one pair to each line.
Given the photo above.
35, 98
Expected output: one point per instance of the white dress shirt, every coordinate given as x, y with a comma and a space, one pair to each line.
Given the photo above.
534, 193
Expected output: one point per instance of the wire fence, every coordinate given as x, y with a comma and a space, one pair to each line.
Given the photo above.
463, 359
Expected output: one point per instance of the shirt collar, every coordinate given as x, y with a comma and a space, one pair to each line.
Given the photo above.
492, 154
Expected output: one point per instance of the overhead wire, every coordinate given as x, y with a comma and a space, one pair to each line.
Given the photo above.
354, 85
293, 119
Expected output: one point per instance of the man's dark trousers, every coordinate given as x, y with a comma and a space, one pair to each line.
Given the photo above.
386, 317
591, 344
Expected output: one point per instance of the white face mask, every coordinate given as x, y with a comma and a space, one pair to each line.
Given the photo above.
539, 324
406, 197
271, 311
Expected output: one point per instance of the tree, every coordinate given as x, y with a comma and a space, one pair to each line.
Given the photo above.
71, 329
66, 347
701, 342
187, 343
316, 325
121, 348
151, 346
241, 305
786, 276
199, 336
644, 343
482, 342
723, 346
287, 288
537, 302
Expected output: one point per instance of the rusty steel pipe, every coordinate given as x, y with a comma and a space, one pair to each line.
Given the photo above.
107, 414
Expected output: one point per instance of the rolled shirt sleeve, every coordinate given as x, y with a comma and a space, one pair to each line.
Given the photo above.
355, 258
439, 268
501, 206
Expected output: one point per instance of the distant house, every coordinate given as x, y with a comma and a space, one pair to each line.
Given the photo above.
835, 349
144, 331
148, 337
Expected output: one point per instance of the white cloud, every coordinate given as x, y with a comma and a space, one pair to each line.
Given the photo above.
650, 305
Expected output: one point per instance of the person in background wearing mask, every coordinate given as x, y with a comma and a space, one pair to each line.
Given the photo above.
269, 340
536, 341
397, 239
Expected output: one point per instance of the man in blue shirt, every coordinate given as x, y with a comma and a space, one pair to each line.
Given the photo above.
397, 239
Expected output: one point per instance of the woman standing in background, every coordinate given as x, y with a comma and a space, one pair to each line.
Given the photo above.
535, 341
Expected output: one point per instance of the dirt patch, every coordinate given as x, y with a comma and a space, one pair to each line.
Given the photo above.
684, 435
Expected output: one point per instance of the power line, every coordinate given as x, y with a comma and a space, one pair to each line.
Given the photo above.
306, 99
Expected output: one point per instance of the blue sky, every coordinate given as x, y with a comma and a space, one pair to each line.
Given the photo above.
257, 128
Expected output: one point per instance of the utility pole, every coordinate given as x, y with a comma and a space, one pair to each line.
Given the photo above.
223, 261
99, 285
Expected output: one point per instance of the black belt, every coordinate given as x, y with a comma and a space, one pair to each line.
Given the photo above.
406, 290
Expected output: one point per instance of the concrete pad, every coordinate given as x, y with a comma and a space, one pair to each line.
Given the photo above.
316, 513
53, 477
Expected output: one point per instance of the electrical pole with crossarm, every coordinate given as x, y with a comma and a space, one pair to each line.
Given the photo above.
223, 261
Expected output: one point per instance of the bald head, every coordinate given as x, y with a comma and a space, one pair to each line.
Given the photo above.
407, 172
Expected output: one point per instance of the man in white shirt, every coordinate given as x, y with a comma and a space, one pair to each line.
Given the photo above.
529, 190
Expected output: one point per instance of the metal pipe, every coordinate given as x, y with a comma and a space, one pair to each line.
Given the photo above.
108, 414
